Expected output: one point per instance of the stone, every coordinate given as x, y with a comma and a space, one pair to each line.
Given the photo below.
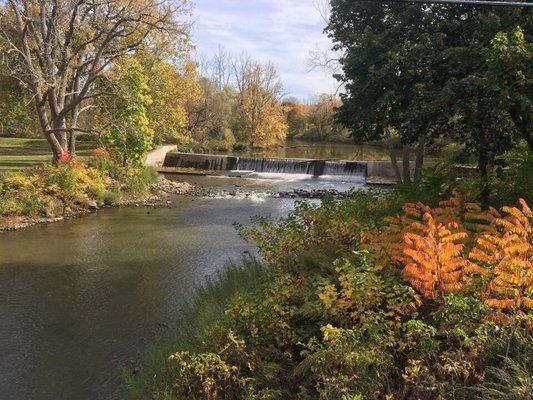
53, 207
90, 204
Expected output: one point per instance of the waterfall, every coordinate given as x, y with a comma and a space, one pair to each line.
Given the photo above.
300, 166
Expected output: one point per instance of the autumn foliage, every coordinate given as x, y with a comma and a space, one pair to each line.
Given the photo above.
505, 258
434, 256
458, 245
361, 300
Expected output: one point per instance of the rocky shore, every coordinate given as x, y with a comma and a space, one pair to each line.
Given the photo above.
55, 210
312, 194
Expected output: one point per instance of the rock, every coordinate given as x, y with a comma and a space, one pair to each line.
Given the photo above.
171, 187
53, 207
92, 205
89, 204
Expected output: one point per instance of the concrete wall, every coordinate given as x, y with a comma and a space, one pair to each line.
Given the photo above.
380, 169
208, 162
384, 170
156, 157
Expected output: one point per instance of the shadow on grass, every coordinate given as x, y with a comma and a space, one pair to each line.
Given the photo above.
17, 153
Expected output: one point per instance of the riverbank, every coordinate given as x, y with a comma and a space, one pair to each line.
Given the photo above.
162, 193
56, 210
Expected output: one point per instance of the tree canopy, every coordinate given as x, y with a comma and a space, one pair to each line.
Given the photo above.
58, 50
419, 71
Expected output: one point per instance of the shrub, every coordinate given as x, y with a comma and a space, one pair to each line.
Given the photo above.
367, 298
25, 192
185, 148
239, 147
137, 180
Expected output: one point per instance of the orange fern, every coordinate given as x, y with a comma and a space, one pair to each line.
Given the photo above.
435, 262
385, 245
505, 258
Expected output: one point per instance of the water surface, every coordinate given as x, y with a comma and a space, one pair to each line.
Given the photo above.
78, 299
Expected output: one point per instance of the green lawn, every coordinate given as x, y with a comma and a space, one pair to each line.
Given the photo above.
17, 153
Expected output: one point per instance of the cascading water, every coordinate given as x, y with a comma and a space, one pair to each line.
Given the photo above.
335, 169
301, 166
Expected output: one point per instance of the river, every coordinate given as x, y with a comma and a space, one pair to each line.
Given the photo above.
81, 298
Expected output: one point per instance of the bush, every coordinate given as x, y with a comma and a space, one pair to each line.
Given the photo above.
27, 192
185, 148
239, 147
158, 375
368, 298
137, 181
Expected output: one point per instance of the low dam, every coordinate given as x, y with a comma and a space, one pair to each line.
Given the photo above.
304, 166
375, 170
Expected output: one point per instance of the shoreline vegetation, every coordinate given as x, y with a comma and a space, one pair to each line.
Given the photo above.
417, 292
46, 193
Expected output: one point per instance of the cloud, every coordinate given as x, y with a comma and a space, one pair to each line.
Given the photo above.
281, 31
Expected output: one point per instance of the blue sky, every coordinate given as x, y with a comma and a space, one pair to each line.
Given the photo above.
281, 31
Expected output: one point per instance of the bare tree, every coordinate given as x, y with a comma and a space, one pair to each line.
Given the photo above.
221, 68
59, 48
319, 57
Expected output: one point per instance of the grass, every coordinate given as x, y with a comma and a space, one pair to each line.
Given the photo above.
207, 305
18, 153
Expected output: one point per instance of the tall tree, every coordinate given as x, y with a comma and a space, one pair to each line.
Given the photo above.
387, 52
63, 47
172, 86
417, 71
128, 134
297, 115
260, 112
322, 124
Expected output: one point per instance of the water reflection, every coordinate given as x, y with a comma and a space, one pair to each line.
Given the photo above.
80, 298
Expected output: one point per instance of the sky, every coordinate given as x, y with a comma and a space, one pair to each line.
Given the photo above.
284, 32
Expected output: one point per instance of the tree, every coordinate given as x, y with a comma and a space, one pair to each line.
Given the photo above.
16, 116
128, 135
211, 115
419, 71
322, 124
261, 116
297, 115
388, 52
171, 86
63, 47
487, 91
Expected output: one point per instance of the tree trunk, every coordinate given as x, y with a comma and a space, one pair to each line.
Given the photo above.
419, 162
55, 145
394, 160
62, 137
72, 143
405, 164
484, 169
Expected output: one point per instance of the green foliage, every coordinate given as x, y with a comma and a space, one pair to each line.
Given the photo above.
155, 378
324, 321
137, 181
514, 182
424, 71
15, 115
129, 136
184, 148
